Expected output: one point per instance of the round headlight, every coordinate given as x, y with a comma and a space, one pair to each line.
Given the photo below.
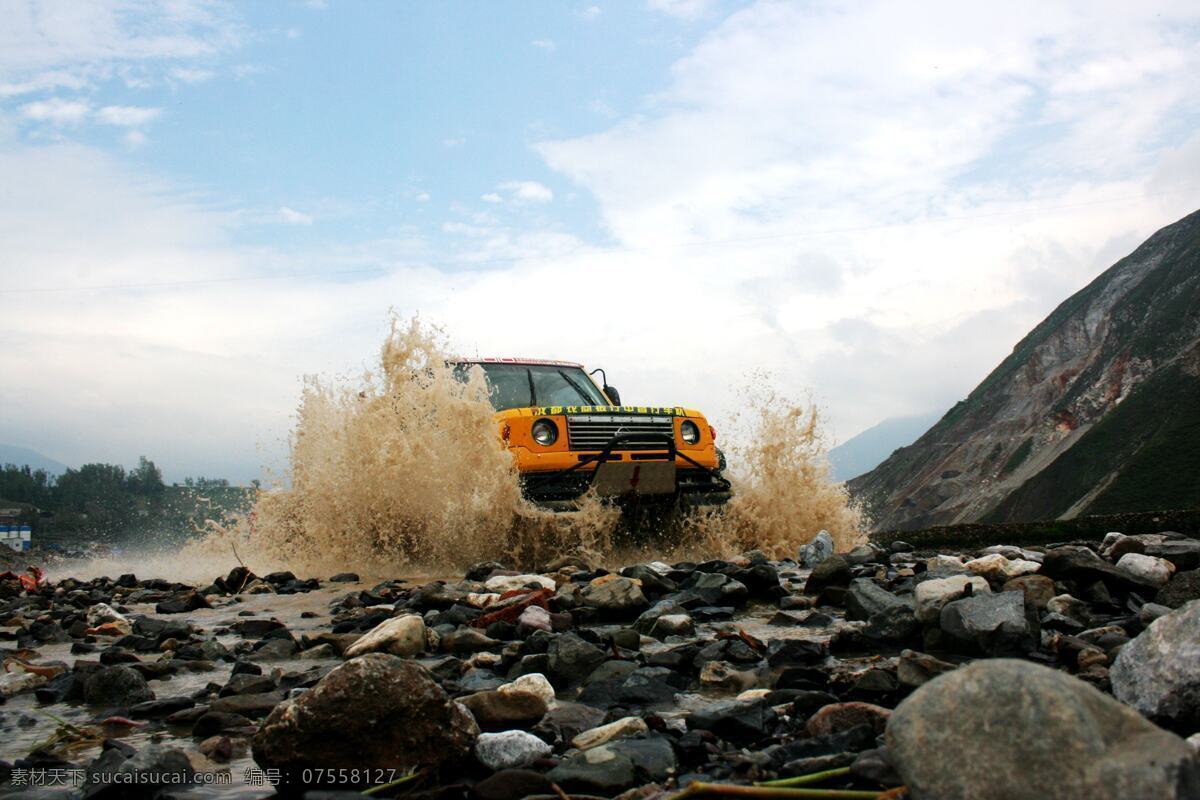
545, 432
689, 431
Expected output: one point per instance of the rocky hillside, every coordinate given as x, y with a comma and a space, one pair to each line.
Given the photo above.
1096, 411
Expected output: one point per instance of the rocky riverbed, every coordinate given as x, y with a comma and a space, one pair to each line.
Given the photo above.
1064, 671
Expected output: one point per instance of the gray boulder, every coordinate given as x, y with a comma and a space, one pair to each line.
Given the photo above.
1005, 729
994, 624
816, 551
600, 770
615, 597
1182, 588
116, 686
377, 711
888, 617
571, 659
1158, 673
509, 749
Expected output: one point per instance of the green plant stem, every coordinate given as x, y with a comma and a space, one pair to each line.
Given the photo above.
698, 788
812, 777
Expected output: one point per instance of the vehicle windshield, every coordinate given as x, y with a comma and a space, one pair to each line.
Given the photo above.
524, 385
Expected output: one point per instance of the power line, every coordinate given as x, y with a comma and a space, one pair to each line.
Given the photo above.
461, 264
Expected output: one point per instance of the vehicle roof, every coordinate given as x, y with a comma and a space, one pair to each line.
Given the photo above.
541, 362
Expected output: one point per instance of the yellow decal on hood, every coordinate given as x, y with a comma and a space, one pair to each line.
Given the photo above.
672, 411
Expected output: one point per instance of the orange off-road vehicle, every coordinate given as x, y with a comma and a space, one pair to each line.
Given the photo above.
568, 434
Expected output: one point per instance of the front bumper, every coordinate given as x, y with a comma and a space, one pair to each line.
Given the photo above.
615, 474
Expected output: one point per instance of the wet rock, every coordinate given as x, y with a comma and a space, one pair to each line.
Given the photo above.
1158, 673
465, 641
1181, 588
388, 714
723, 675
993, 624
535, 618
833, 571
275, 649
876, 766
865, 554
400, 636
672, 625
117, 686
931, 595
615, 596
507, 583
998, 568
1060, 738
142, 775
716, 589
1183, 553
816, 551
159, 709
620, 729
512, 784
534, 683
917, 669
565, 721
653, 757
888, 617
182, 603
795, 651
571, 659
256, 628
1147, 569
1080, 564
212, 723
737, 721
255, 705
1038, 589
600, 770
345, 577
840, 717
509, 749
495, 710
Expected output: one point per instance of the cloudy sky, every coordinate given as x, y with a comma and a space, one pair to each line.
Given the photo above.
201, 202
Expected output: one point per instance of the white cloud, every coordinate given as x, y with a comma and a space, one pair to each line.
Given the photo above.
191, 75
60, 44
423, 197
134, 139
590, 13
127, 116
454, 141
544, 44
290, 216
57, 111
686, 9
491, 197
527, 191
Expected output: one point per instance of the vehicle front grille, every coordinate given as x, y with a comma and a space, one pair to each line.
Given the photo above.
595, 431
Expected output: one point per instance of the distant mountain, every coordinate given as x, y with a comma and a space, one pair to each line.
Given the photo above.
868, 449
1097, 410
11, 454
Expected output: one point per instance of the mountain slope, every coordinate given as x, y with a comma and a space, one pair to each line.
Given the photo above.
868, 449
1095, 411
20, 456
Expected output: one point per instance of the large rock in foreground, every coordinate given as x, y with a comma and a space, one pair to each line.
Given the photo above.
376, 711
1158, 673
1007, 730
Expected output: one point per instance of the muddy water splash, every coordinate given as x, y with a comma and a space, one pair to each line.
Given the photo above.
403, 469
782, 491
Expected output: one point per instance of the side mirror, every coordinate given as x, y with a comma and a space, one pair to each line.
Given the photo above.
613, 395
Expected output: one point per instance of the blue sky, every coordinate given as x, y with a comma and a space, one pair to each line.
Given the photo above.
872, 202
